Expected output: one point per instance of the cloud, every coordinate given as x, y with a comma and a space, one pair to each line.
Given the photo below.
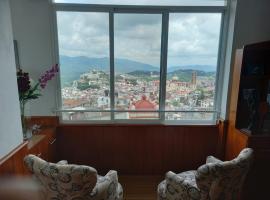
138, 37
193, 38
83, 34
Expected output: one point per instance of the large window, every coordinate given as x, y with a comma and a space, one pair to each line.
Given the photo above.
192, 65
149, 2
137, 64
84, 58
130, 63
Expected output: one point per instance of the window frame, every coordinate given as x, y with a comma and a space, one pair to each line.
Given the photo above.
164, 11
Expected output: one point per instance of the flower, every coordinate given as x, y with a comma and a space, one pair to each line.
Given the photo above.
23, 81
28, 90
48, 75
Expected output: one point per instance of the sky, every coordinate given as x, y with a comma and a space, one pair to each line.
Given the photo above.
193, 38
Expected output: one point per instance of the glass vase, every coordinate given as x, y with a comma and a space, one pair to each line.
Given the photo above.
24, 119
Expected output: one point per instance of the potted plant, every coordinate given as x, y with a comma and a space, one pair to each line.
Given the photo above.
28, 90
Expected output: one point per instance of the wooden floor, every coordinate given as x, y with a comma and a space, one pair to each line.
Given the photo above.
140, 187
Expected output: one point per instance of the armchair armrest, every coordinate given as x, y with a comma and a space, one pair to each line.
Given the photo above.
62, 162
177, 181
112, 175
106, 187
171, 177
177, 185
212, 159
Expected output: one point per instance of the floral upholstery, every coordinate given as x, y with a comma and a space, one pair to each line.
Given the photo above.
215, 180
63, 181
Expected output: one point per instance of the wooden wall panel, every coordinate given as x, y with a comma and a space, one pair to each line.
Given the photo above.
236, 141
222, 137
42, 145
52, 121
13, 162
137, 149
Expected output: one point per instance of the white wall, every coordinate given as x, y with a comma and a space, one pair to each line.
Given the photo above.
32, 30
10, 121
252, 22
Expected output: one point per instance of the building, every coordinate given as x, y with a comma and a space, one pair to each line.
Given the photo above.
194, 78
142, 105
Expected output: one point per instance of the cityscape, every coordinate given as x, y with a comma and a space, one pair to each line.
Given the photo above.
139, 90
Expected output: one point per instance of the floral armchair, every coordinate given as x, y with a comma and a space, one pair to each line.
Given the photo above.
63, 181
214, 180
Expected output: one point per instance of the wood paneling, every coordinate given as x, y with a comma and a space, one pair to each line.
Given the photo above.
44, 121
137, 149
235, 140
42, 145
13, 162
222, 137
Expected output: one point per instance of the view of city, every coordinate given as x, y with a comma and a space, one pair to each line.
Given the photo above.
139, 90
85, 66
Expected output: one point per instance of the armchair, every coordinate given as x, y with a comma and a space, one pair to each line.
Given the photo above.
63, 181
213, 180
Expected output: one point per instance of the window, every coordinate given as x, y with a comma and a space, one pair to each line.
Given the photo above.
137, 64
192, 65
149, 2
129, 63
84, 58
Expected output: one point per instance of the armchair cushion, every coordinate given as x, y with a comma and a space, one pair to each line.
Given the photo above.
217, 180
213, 180
69, 181
183, 184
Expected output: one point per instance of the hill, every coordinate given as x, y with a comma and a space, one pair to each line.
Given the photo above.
73, 67
186, 74
183, 75
205, 68
141, 73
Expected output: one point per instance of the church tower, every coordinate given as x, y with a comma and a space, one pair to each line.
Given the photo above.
194, 78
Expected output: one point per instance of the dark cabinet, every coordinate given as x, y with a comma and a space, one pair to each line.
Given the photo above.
253, 105
249, 115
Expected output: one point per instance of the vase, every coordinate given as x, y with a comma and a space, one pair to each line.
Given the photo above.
24, 119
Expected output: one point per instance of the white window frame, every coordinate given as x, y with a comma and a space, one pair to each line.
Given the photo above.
164, 11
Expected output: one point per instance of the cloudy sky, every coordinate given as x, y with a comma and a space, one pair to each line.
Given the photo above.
193, 38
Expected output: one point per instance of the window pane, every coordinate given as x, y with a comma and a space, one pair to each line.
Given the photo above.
192, 63
137, 58
150, 2
81, 116
189, 116
84, 62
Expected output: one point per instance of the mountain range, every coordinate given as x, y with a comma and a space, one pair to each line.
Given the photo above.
205, 68
73, 67
182, 74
